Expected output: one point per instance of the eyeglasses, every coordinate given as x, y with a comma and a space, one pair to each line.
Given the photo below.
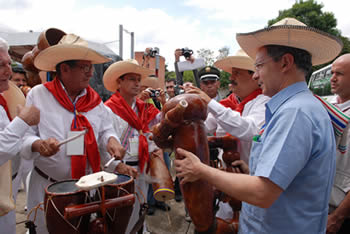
133, 79
86, 68
260, 65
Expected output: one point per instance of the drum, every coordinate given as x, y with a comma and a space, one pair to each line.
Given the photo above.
58, 196
163, 186
118, 218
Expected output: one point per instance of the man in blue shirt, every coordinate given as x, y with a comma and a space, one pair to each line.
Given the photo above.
292, 161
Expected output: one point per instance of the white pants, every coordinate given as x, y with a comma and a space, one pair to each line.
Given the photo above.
140, 184
36, 193
8, 221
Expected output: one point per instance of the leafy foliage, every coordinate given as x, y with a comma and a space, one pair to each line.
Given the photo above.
310, 13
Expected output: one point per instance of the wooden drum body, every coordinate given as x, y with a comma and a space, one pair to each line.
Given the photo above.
58, 196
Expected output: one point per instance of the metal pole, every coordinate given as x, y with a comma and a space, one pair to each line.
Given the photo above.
132, 44
121, 41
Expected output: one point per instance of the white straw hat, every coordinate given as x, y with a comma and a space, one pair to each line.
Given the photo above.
322, 46
70, 47
13, 97
120, 68
239, 60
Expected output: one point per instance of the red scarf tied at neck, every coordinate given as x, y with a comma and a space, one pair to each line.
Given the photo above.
3, 103
84, 104
146, 113
231, 101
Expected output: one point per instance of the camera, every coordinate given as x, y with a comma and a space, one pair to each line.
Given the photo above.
178, 90
154, 93
153, 52
186, 52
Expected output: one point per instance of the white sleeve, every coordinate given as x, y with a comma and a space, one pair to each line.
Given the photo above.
211, 124
244, 128
11, 137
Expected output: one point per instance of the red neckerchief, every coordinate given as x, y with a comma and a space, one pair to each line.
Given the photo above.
3, 103
84, 104
230, 101
254, 94
145, 114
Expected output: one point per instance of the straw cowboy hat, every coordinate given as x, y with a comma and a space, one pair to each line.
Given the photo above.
240, 60
13, 97
120, 68
70, 47
322, 46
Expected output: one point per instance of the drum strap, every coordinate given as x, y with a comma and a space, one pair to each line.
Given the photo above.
42, 174
139, 224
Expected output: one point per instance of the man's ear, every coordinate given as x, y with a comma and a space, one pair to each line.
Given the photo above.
287, 61
64, 67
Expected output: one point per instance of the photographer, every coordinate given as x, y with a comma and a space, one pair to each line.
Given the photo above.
187, 53
150, 93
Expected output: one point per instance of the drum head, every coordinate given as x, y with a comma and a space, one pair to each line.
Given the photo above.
62, 187
122, 179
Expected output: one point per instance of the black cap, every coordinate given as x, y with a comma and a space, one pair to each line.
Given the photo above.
209, 73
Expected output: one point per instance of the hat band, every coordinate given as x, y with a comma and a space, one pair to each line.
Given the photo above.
210, 75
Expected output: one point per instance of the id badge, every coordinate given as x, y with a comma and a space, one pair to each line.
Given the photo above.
75, 147
134, 146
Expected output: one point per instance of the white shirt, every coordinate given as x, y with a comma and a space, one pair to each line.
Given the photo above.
224, 120
132, 140
11, 139
55, 121
341, 184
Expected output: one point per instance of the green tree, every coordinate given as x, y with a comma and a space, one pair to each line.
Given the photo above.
310, 13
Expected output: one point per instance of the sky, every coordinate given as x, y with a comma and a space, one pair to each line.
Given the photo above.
166, 24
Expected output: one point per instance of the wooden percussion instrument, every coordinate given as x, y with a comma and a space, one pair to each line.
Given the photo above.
68, 209
183, 126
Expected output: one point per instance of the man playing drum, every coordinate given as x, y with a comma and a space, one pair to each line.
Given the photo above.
11, 132
68, 106
132, 120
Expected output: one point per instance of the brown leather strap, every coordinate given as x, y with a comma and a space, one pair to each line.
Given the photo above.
139, 224
42, 174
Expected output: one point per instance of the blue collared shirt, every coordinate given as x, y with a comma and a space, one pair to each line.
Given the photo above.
296, 151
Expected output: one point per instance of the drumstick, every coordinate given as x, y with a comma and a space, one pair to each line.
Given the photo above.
71, 138
109, 162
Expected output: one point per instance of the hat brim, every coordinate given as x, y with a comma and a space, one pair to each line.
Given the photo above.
13, 97
322, 46
241, 62
50, 57
120, 68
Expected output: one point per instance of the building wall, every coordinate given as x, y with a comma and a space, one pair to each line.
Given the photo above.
151, 64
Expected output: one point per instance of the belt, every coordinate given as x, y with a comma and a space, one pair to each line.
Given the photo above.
132, 163
14, 175
42, 174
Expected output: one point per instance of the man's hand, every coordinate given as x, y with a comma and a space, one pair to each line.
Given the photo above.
203, 95
144, 95
239, 166
334, 223
178, 53
162, 97
46, 147
122, 168
29, 114
189, 168
115, 149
